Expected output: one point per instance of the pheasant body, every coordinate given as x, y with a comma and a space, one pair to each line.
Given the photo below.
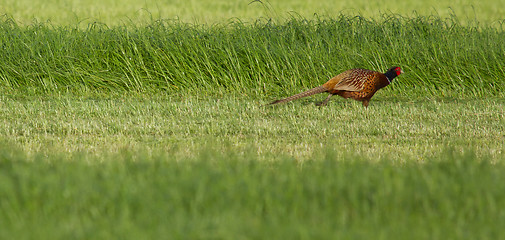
357, 84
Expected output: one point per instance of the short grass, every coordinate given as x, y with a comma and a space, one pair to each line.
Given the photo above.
235, 196
391, 128
113, 13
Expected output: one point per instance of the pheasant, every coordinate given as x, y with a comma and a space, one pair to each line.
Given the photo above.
358, 84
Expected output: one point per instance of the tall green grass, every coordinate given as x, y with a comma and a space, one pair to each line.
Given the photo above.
440, 56
229, 196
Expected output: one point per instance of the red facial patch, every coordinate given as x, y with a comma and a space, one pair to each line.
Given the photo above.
398, 71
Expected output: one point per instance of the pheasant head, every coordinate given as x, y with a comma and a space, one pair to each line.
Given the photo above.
392, 73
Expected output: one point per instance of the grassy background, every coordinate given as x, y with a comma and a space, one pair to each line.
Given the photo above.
110, 12
133, 166
119, 121
264, 58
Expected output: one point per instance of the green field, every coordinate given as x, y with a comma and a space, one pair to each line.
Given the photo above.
230, 195
392, 128
146, 120
110, 12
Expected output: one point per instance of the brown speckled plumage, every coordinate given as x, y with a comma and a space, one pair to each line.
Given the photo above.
358, 84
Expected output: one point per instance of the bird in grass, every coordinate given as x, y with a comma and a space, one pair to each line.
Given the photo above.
358, 84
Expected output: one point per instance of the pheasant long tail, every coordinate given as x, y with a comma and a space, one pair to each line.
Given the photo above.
307, 93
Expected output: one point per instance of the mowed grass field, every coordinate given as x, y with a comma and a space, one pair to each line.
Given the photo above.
396, 129
111, 13
119, 122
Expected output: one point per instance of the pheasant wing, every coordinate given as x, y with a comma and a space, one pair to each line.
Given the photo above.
353, 80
